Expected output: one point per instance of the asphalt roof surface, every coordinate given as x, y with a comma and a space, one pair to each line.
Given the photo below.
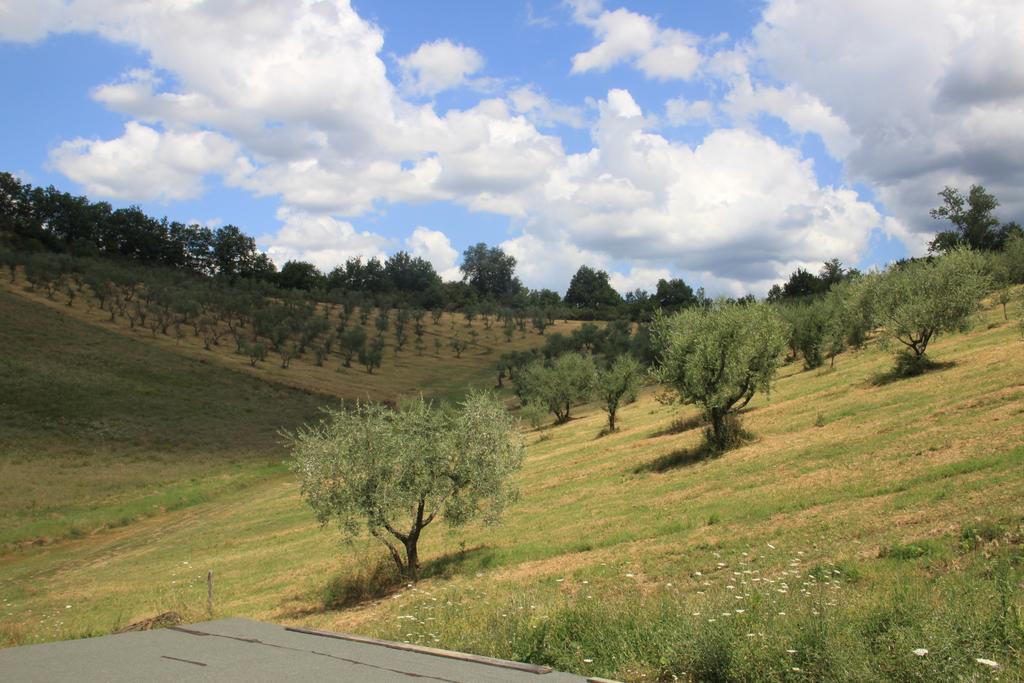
245, 650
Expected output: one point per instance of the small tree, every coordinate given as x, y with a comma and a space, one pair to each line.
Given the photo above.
459, 345
718, 358
352, 341
619, 385
256, 350
371, 355
567, 381
395, 472
1003, 297
540, 321
918, 300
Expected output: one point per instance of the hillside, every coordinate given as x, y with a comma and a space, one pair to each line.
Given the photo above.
436, 372
868, 519
97, 429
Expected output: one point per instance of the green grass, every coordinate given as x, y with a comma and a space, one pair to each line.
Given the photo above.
910, 490
97, 430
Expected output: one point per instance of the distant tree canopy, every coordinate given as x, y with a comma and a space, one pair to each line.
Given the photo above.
974, 222
803, 284
672, 295
45, 219
590, 288
490, 272
300, 275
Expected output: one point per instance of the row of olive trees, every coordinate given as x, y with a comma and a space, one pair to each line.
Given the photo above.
571, 379
908, 305
260, 319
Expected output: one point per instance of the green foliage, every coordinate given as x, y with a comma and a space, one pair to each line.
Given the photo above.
567, 381
255, 350
718, 358
489, 271
973, 536
974, 223
918, 300
458, 345
352, 342
394, 472
533, 414
618, 385
371, 355
908, 551
809, 323
590, 288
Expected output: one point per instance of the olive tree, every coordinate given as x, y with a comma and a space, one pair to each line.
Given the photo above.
718, 358
393, 473
917, 301
568, 380
618, 385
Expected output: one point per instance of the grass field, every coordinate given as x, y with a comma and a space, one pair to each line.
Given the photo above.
867, 520
97, 430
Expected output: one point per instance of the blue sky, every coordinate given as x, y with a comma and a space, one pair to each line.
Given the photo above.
726, 142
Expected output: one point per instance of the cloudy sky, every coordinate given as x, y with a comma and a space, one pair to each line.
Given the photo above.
725, 142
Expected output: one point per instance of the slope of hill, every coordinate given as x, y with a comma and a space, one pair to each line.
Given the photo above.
869, 519
97, 429
436, 372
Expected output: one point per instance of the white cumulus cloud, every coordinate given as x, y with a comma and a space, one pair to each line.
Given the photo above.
145, 163
627, 37
435, 246
438, 66
321, 240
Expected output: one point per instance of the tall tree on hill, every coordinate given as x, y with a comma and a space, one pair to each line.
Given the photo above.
235, 254
300, 275
411, 274
489, 271
590, 288
674, 294
973, 219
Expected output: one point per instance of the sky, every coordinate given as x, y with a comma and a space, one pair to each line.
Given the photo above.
727, 142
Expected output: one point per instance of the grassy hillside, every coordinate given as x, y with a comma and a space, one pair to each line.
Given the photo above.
434, 373
867, 520
98, 430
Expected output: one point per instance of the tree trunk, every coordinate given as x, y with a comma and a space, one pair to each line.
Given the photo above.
718, 428
611, 418
412, 561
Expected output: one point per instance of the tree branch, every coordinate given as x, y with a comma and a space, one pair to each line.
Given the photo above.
395, 555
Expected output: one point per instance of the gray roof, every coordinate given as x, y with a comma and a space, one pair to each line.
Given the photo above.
245, 650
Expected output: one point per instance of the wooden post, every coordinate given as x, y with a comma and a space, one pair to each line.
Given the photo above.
209, 592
